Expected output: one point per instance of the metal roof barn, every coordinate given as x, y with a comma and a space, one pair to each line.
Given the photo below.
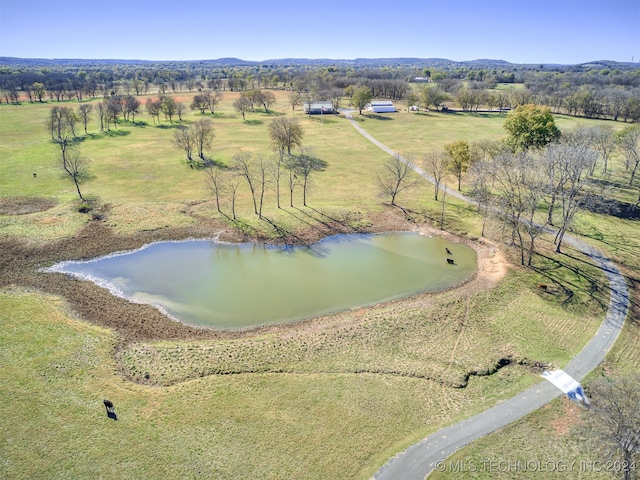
381, 106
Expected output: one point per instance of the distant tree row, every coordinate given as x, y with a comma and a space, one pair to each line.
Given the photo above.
608, 91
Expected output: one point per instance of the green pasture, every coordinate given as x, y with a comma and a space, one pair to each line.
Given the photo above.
331, 399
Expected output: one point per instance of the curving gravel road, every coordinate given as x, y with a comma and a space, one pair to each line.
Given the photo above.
420, 459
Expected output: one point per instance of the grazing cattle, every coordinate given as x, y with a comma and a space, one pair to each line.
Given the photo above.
108, 405
448, 251
35, 175
543, 287
450, 261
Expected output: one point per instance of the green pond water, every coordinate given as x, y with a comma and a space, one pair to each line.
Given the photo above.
212, 284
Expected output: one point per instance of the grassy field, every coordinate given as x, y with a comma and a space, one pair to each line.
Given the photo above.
330, 398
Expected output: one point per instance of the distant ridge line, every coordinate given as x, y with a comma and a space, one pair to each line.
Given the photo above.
232, 61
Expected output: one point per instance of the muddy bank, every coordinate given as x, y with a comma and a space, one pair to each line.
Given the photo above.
21, 260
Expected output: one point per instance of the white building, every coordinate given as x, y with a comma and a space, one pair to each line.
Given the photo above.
318, 108
381, 106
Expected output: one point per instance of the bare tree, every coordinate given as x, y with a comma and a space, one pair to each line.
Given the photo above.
154, 107
232, 183
480, 176
101, 108
290, 164
611, 425
216, 180
200, 102
629, 141
130, 106
510, 184
604, 141
395, 177
168, 107
180, 109
534, 195
294, 100
243, 105
75, 166
436, 164
184, 140
61, 123
111, 111
285, 133
84, 111
266, 98
306, 164
576, 161
213, 98
263, 167
203, 134
556, 175
243, 164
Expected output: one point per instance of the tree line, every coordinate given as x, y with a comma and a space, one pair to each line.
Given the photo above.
536, 177
598, 91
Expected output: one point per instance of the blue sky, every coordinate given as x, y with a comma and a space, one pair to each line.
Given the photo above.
518, 31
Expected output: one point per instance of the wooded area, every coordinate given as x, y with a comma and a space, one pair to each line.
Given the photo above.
594, 90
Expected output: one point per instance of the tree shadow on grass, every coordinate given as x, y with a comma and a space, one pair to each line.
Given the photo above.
325, 219
613, 207
324, 119
555, 272
117, 133
374, 116
287, 237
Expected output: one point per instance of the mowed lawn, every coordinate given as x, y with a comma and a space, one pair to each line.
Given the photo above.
325, 403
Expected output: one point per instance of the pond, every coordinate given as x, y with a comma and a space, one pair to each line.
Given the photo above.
212, 284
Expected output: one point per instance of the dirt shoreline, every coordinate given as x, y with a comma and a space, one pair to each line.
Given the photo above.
22, 259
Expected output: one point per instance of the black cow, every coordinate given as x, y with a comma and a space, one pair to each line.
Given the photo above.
448, 251
108, 405
450, 261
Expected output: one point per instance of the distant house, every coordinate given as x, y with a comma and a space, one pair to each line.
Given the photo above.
381, 106
318, 108
421, 79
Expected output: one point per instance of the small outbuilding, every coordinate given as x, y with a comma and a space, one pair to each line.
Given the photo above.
381, 106
318, 108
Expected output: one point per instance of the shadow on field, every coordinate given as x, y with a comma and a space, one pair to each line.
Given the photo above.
117, 133
613, 207
332, 224
325, 119
378, 117
287, 237
556, 273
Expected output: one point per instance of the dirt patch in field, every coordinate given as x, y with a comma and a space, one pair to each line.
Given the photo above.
22, 259
25, 205
562, 424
